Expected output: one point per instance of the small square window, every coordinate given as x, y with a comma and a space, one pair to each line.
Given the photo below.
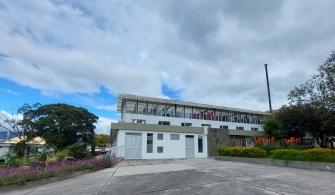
223, 127
174, 136
240, 128
160, 136
186, 124
164, 122
160, 149
254, 129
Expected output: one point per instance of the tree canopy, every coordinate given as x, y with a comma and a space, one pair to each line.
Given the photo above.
102, 140
313, 104
62, 125
272, 127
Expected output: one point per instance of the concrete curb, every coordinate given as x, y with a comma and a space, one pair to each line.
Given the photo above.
282, 163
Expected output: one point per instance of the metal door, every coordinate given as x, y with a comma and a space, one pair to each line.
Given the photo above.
189, 146
133, 142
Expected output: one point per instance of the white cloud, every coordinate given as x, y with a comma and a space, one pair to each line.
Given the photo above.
211, 51
104, 125
111, 107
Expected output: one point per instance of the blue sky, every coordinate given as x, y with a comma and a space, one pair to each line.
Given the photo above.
102, 104
87, 52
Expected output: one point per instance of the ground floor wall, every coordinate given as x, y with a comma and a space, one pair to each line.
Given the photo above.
163, 147
4, 150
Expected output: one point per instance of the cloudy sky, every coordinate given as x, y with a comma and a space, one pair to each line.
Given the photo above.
86, 52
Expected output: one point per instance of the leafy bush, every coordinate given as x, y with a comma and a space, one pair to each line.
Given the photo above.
61, 154
251, 152
107, 161
11, 160
315, 154
269, 147
77, 150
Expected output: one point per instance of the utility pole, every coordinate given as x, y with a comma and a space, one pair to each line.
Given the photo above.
268, 85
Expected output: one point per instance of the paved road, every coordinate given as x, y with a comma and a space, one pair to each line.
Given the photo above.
197, 176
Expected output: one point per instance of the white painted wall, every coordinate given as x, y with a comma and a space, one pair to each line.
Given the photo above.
5, 150
150, 119
171, 148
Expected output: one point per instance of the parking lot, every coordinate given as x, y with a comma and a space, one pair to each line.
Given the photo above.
196, 176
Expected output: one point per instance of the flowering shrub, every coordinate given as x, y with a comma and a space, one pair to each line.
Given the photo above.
264, 140
315, 154
19, 175
292, 141
251, 152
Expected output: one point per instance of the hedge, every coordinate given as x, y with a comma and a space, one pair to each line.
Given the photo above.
251, 152
315, 154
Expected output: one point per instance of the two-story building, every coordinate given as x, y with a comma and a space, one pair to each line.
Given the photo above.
155, 128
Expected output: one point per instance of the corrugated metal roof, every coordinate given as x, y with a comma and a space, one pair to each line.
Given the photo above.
179, 102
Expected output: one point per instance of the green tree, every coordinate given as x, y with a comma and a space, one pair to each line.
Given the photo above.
320, 89
21, 127
272, 127
319, 93
102, 140
297, 120
62, 125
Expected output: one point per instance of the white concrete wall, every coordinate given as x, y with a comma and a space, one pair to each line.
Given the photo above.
171, 148
150, 119
4, 150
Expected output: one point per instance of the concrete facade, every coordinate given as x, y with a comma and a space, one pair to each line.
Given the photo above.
146, 116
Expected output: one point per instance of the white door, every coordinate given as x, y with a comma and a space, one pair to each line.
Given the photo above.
133, 145
189, 146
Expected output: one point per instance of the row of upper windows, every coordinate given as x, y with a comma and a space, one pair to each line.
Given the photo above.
156, 109
190, 125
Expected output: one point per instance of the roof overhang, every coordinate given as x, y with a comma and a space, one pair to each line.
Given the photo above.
156, 128
246, 133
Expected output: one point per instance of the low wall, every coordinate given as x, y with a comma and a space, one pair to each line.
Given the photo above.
283, 163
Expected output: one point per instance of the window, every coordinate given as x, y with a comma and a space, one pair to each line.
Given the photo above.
239, 128
174, 136
223, 127
206, 125
180, 112
170, 110
200, 144
254, 129
188, 112
186, 124
164, 122
139, 121
210, 115
142, 107
161, 110
131, 106
152, 108
160, 136
149, 142
160, 149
